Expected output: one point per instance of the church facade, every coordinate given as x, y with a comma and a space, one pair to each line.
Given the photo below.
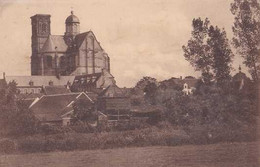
73, 53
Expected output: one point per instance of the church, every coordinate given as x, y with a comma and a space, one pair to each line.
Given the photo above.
73, 53
74, 61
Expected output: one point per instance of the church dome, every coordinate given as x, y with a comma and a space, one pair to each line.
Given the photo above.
72, 19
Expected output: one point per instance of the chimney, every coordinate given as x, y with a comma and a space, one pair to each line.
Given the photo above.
181, 77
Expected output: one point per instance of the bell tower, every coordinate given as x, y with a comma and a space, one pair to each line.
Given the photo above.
40, 32
72, 28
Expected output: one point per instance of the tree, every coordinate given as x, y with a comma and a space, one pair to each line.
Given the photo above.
84, 111
197, 49
221, 54
208, 51
15, 117
246, 31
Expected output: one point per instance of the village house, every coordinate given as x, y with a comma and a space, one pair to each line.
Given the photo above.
58, 109
114, 104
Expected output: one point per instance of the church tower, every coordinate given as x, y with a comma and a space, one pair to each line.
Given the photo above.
72, 28
40, 32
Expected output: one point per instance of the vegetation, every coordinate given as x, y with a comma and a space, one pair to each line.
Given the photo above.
15, 117
208, 51
246, 31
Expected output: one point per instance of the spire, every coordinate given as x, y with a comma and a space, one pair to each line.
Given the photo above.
239, 68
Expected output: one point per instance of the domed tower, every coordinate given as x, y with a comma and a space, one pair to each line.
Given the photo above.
72, 27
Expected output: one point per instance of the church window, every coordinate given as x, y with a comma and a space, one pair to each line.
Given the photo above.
49, 61
44, 27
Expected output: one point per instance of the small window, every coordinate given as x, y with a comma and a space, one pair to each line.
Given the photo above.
32, 91
51, 83
49, 61
31, 83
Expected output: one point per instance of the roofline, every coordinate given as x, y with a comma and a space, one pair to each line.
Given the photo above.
40, 15
67, 113
85, 95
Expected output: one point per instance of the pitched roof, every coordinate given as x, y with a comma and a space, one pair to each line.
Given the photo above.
40, 80
112, 91
190, 82
60, 89
54, 41
80, 38
51, 107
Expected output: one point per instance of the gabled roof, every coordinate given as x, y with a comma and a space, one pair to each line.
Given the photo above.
52, 42
51, 107
80, 38
49, 90
40, 80
191, 82
112, 91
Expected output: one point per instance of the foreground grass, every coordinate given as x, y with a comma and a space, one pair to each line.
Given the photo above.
161, 135
214, 155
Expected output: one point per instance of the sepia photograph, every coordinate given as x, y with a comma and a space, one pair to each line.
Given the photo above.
129, 83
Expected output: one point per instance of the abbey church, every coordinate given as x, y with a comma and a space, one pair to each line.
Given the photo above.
73, 53
74, 61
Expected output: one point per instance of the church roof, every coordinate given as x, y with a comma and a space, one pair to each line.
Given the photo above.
54, 43
72, 19
80, 38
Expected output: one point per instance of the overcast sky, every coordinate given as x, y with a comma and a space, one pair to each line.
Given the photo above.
142, 37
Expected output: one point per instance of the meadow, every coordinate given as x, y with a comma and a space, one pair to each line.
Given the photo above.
214, 155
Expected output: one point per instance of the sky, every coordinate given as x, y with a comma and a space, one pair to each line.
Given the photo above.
141, 37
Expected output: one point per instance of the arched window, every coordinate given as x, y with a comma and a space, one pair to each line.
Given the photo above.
44, 27
49, 61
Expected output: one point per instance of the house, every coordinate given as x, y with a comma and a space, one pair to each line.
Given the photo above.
186, 85
189, 85
57, 109
93, 82
113, 103
40, 84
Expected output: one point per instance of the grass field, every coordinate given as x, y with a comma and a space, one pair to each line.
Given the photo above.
215, 155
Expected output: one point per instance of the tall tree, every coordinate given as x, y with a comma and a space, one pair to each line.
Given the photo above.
246, 31
221, 54
208, 51
197, 49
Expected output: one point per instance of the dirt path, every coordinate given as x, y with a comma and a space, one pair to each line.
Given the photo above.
216, 155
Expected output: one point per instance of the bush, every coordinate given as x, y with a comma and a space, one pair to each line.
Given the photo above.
7, 146
71, 141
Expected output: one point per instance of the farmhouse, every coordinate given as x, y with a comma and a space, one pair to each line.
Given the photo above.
57, 109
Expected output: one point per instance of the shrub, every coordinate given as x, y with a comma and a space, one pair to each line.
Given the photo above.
7, 146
